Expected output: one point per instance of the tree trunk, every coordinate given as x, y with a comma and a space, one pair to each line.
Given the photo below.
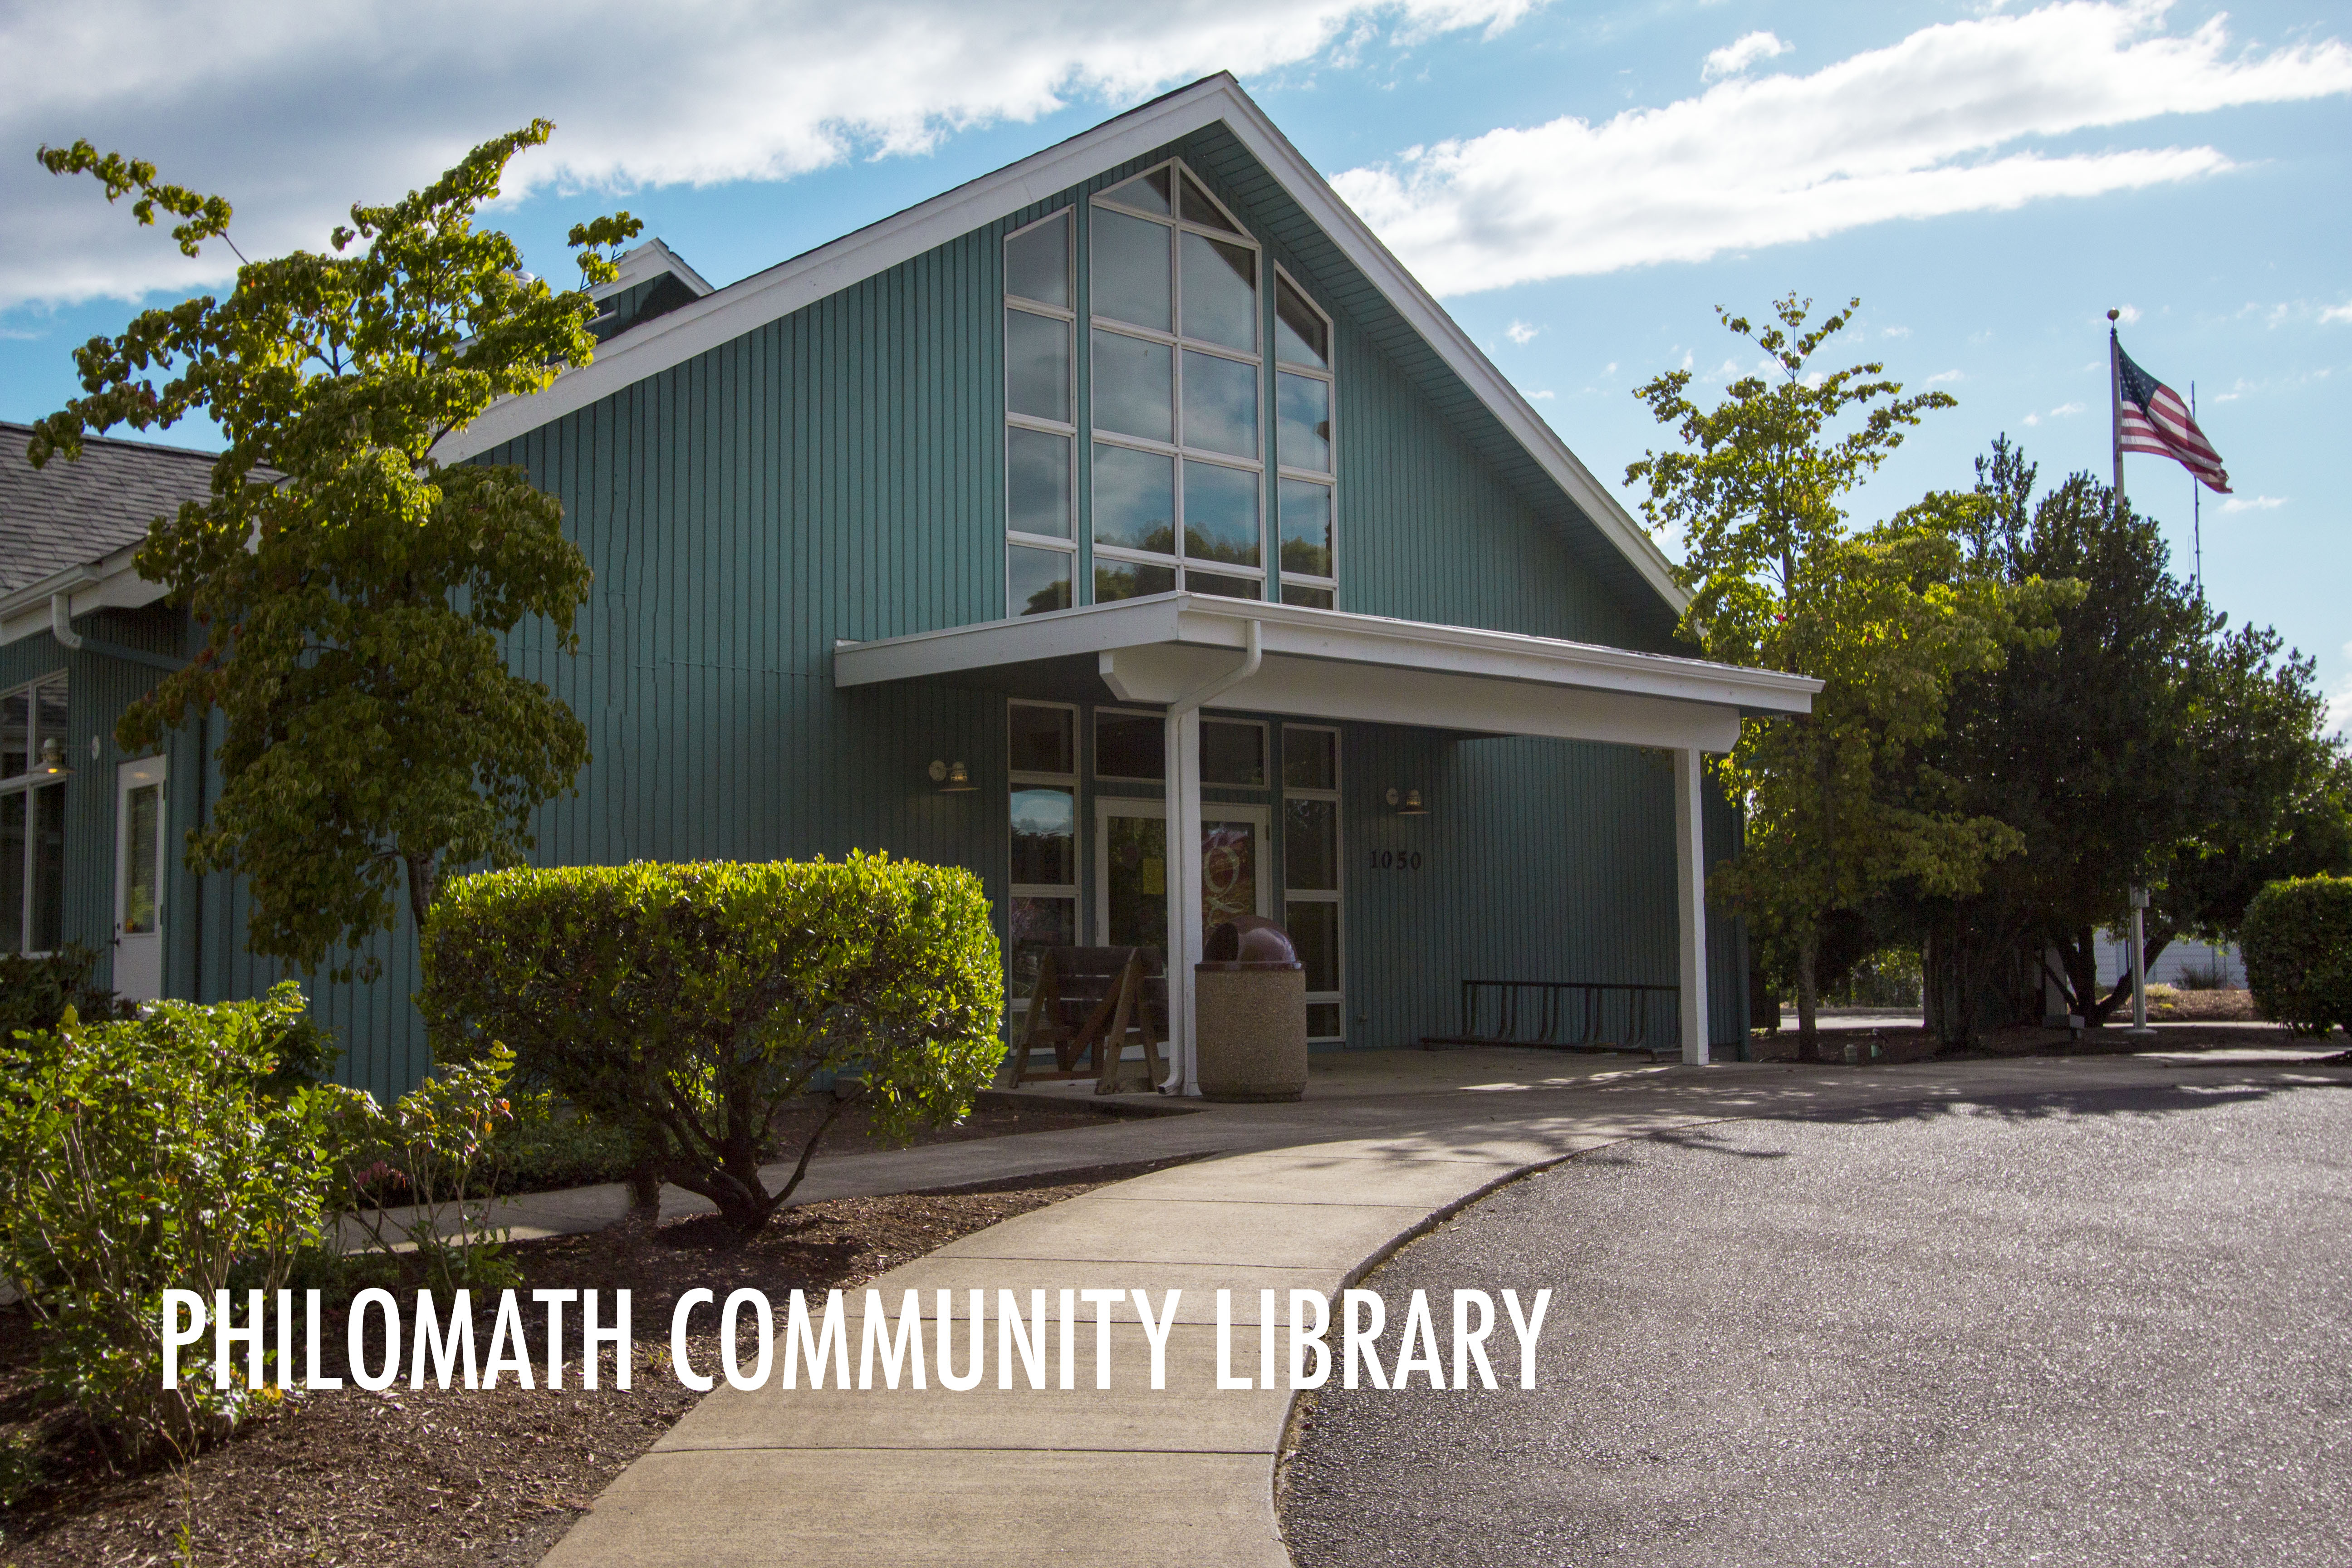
2081, 952
1809, 997
423, 883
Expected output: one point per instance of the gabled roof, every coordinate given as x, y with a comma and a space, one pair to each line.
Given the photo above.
728, 313
72, 514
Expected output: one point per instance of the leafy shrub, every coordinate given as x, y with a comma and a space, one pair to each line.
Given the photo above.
2297, 944
36, 991
684, 1005
437, 1155
147, 1155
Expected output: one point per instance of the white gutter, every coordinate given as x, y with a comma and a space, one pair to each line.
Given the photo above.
1183, 771
72, 641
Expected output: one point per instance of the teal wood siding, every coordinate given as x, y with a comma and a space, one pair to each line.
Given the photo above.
98, 689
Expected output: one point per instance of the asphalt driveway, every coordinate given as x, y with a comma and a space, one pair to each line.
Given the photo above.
2106, 1326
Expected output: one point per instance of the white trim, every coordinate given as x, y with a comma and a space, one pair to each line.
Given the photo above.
780, 290
110, 583
1304, 646
644, 263
139, 956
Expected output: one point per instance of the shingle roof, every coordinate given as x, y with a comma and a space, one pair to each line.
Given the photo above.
71, 514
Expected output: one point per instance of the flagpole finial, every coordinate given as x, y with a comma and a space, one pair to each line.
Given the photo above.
2115, 315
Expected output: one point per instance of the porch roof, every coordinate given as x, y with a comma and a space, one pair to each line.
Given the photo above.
1331, 664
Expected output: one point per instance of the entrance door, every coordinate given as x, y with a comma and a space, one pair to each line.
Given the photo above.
1131, 869
138, 880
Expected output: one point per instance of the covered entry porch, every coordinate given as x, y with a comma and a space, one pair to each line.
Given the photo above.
1160, 662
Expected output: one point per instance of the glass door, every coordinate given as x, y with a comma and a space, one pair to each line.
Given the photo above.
1131, 869
139, 880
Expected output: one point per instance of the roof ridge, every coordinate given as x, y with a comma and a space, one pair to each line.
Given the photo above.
159, 448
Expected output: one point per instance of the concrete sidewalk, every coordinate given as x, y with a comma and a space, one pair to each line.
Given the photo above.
1323, 1190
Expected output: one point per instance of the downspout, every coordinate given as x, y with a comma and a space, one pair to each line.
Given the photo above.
62, 628
1184, 850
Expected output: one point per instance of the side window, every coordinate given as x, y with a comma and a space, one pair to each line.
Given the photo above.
33, 769
1040, 418
1042, 750
1309, 483
1310, 869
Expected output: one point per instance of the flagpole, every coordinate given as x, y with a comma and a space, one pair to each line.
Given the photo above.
2197, 510
2116, 404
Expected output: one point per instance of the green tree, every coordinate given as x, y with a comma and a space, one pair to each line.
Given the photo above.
1885, 617
353, 590
2146, 744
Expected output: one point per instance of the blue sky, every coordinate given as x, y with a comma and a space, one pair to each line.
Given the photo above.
1582, 184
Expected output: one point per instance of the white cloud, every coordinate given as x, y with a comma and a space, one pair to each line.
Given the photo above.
1926, 127
1737, 55
2126, 314
2063, 409
1893, 332
2033, 419
2337, 313
291, 111
1541, 396
1521, 333
2253, 503
1944, 376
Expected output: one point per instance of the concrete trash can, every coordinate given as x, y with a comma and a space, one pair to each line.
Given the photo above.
1250, 1013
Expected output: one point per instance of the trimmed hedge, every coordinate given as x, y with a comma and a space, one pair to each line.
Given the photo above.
686, 1004
2297, 940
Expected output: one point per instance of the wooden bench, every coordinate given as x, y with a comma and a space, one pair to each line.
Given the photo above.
1089, 1005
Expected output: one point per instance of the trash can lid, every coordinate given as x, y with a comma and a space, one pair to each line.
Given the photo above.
1249, 941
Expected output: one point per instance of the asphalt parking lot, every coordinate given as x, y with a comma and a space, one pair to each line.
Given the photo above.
2107, 1326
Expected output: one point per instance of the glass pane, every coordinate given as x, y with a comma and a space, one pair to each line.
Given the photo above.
1125, 580
1200, 209
1135, 896
1306, 598
1131, 270
1147, 193
1220, 405
1315, 935
1228, 872
16, 733
1041, 739
1299, 335
49, 715
1197, 581
1233, 753
1306, 528
1036, 582
1038, 263
1134, 392
1037, 924
1323, 1021
1310, 758
1310, 846
48, 868
1302, 436
1130, 746
1037, 365
11, 872
1038, 482
143, 823
1220, 291
1135, 499
1220, 514
1045, 835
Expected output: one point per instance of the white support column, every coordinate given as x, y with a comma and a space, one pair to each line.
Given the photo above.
1183, 761
1690, 900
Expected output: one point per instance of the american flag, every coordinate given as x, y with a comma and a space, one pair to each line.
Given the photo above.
2150, 418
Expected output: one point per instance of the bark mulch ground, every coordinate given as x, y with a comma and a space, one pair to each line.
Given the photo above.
408, 1477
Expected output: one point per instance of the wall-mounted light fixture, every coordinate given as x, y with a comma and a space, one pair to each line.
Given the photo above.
953, 778
1407, 803
53, 760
